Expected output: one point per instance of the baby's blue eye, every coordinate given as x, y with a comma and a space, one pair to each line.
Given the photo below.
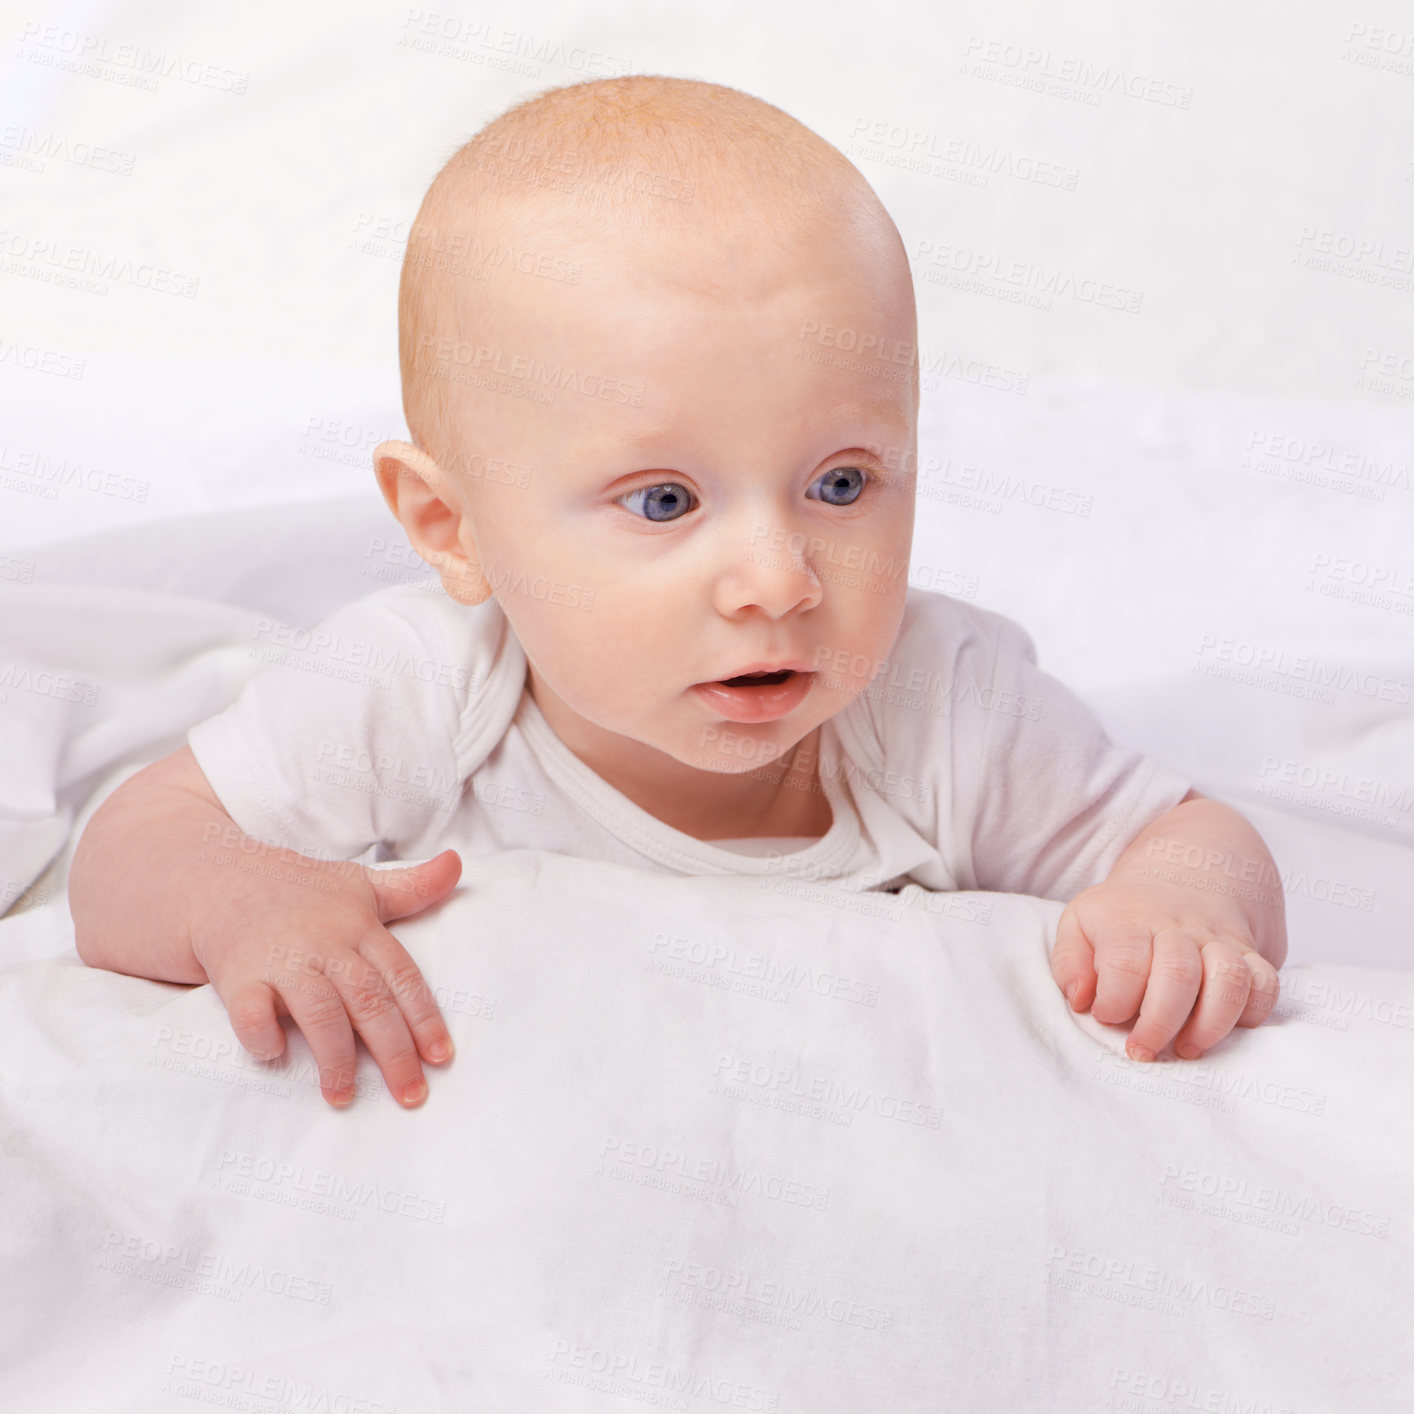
670, 500
842, 482
665, 501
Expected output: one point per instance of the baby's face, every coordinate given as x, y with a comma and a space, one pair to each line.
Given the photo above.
725, 490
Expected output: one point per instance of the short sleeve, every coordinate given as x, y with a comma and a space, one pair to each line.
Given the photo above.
1057, 801
346, 737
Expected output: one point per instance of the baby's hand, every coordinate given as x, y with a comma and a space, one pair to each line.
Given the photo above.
305, 938
1183, 959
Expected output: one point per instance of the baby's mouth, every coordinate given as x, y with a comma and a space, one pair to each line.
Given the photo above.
758, 679
757, 697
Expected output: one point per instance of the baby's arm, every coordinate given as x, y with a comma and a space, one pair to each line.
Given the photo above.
1188, 929
161, 886
1186, 917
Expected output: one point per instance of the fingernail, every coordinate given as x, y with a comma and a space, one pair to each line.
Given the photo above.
340, 1097
1070, 992
1140, 1053
414, 1092
1187, 1050
438, 1051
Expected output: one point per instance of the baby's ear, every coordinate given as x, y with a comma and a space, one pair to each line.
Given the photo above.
422, 497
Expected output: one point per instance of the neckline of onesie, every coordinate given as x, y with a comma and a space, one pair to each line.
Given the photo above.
658, 840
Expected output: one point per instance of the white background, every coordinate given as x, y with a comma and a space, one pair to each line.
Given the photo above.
1224, 439
1297, 117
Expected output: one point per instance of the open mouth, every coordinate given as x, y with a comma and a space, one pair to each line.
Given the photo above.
759, 679
757, 697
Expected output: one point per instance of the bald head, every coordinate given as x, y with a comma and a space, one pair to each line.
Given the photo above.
629, 160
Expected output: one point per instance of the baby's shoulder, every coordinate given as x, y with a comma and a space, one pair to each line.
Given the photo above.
425, 617
424, 605
939, 631
413, 641
937, 679
435, 663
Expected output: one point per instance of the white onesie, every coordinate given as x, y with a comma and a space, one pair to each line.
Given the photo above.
402, 725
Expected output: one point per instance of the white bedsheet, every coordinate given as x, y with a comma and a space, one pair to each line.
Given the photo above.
191, 446
708, 1145
157, 621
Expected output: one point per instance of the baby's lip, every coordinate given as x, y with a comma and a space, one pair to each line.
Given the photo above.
793, 665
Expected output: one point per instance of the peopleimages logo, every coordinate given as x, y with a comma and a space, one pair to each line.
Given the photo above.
134, 65
445, 356
59, 263
1261, 665
1065, 76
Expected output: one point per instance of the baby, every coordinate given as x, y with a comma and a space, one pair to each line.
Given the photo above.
672, 527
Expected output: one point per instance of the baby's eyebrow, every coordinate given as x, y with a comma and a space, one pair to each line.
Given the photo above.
886, 408
643, 437
845, 414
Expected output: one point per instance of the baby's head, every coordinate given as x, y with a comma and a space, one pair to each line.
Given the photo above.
658, 348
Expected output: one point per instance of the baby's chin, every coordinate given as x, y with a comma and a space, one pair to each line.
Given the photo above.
724, 766
683, 732
738, 751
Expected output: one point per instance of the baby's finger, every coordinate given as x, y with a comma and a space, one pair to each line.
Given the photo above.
1175, 979
1266, 988
379, 1020
1227, 984
402, 892
1073, 962
1123, 958
251, 1007
318, 1011
409, 988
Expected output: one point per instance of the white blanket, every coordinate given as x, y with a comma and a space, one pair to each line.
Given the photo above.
707, 1145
